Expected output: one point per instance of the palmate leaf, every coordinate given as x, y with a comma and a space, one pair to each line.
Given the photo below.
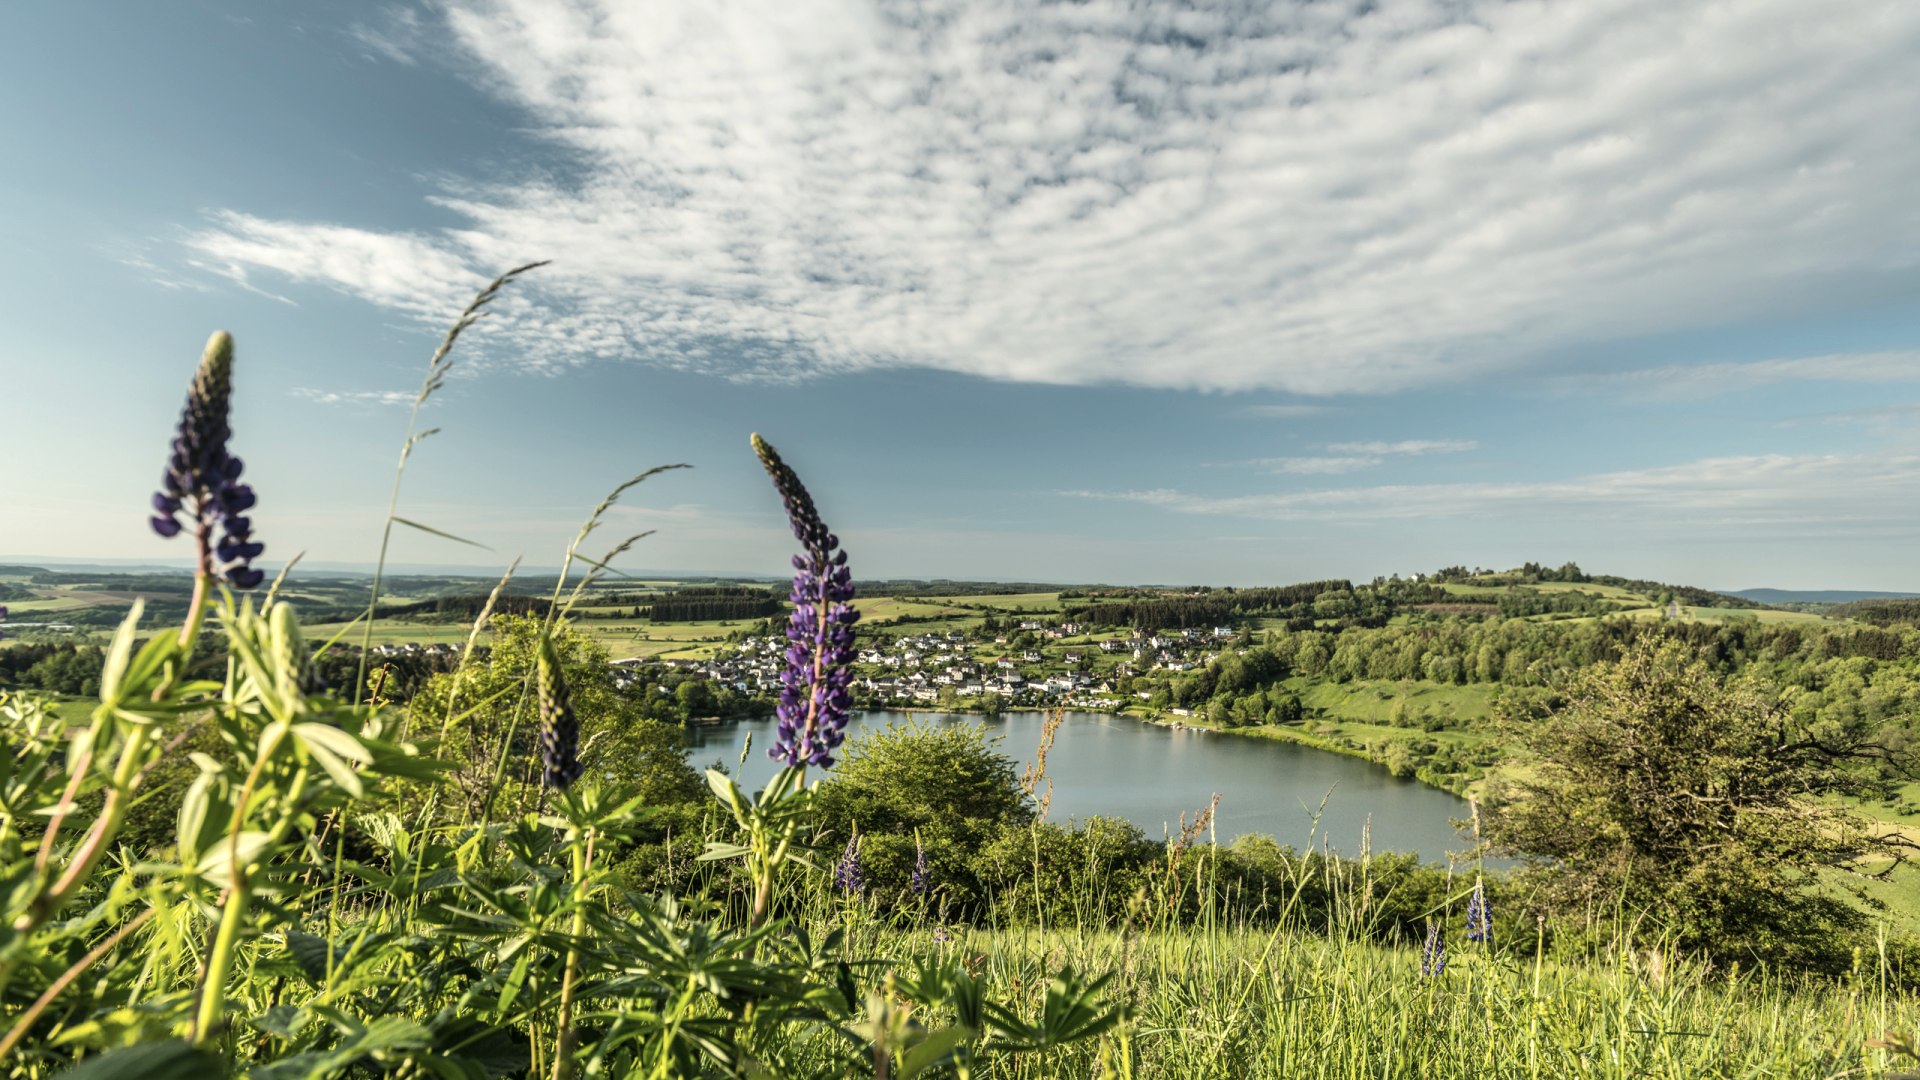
1073, 1011
932, 1051
174, 1059
313, 955
466, 1049
386, 1034
333, 749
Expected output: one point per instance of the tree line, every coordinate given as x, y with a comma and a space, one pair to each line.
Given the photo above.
720, 602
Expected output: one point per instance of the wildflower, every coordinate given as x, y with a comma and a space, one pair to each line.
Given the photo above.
559, 730
941, 936
1433, 955
1479, 918
922, 878
814, 698
3, 621
203, 480
848, 874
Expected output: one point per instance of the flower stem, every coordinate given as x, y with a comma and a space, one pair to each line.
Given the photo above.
234, 901
569, 982
105, 827
213, 996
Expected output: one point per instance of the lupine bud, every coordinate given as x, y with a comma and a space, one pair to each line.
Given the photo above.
202, 479
814, 684
848, 873
922, 878
1433, 955
559, 730
1479, 917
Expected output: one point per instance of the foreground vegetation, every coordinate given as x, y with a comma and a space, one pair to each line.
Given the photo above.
248, 855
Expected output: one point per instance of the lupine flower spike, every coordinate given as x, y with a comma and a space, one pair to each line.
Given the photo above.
1433, 956
922, 879
1479, 918
202, 479
814, 698
848, 874
559, 730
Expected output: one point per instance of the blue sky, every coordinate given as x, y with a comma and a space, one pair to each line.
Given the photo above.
1229, 293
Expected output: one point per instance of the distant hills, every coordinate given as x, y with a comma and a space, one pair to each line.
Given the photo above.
1774, 597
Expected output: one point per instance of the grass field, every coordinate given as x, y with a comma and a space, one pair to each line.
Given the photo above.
1220, 1003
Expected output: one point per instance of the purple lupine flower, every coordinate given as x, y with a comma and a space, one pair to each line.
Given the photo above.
1479, 917
202, 479
922, 878
559, 729
814, 696
848, 873
1433, 955
940, 935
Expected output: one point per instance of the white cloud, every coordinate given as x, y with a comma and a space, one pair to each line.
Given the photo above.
413, 274
395, 34
1346, 457
1895, 418
1408, 447
1682, 382
1832, 493
1285, 412
356, 397
1354, 195
1316, 466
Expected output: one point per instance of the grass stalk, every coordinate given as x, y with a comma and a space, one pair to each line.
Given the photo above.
437, 368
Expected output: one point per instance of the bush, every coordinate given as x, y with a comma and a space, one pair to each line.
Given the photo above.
1710, 805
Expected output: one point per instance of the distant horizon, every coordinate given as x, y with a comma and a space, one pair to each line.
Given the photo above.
1094, 292
482, 572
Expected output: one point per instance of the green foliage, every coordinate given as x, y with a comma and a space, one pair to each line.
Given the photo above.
1707, 803
73, 670
718, 602
484, 713
946, 784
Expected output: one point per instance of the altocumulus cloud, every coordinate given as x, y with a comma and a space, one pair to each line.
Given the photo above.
1315, 197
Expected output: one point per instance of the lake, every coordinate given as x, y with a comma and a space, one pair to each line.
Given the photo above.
1150, 774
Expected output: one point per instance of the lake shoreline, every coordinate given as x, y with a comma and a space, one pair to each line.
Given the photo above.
1151, 771
1269, 732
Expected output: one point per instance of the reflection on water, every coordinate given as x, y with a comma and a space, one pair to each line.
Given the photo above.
1150, 774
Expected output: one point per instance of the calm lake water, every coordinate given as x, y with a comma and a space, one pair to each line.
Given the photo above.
1148, 774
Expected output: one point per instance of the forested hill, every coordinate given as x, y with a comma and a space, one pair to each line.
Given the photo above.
1774, 597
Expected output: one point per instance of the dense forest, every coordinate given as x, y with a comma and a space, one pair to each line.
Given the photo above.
1887, 612
718, 602
1223, 607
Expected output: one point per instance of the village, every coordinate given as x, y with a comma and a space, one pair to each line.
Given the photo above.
1035, 665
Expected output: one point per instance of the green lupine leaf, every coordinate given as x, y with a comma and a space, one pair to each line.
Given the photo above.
174, 1059
931, 1051
716, 851
119, 653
